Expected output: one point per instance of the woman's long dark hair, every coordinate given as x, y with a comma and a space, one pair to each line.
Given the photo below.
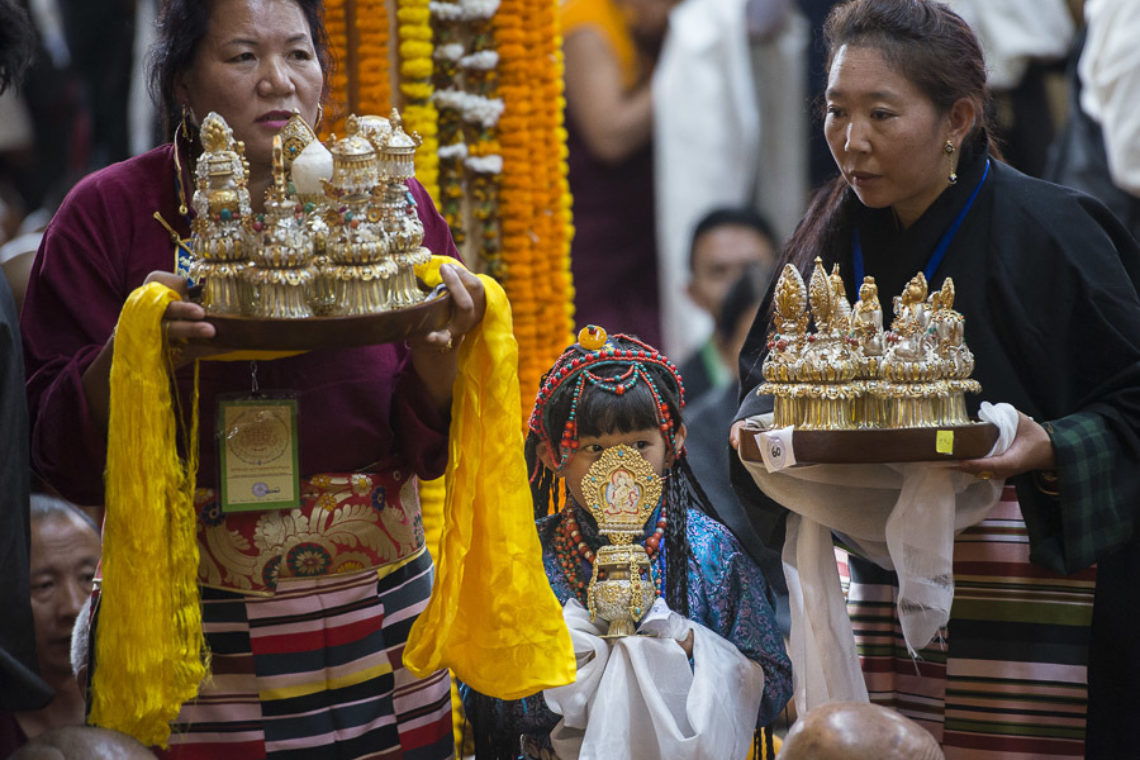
182, 24
935, 50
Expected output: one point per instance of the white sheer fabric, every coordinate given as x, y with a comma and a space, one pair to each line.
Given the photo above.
637, 698
901, 516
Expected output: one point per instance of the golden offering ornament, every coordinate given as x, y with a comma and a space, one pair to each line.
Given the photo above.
339, 237
621, 491
851, 374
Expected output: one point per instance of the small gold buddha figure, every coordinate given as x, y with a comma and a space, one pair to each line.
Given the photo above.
911, 369
828, 363
219, 236
785, 342
948, 328
865, 328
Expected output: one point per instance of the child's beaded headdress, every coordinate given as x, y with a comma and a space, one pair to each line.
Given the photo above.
577, 367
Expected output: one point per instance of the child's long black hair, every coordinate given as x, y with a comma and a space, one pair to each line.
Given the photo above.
600, 411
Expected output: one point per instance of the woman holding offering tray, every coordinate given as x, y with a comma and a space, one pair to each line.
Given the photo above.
1047, 280
306, 608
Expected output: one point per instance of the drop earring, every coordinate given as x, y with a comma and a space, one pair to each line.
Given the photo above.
184, 126
948, 148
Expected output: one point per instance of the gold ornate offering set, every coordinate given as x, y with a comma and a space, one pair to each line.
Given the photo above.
339, 237
850, 374
621, 491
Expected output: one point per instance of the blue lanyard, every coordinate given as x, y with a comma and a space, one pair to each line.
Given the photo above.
939, 250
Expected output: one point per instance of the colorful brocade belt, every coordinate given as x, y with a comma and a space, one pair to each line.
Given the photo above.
347, 522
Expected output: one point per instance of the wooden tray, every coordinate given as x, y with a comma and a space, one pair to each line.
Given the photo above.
251, 333
876, 446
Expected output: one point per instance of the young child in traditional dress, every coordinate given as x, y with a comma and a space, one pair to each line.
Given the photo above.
607, 391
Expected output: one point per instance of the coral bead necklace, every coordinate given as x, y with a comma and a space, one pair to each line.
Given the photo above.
571, 548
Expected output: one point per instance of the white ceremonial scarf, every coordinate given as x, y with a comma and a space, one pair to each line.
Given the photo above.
904, 518
637, 698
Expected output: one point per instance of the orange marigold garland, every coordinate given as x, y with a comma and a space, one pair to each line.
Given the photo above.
374, 75
419, 113
493, 154
336, 26
533, 198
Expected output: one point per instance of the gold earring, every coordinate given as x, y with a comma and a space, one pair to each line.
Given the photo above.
320, 115
948, 147
184, 127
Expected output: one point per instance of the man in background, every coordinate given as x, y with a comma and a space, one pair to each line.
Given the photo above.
726, 243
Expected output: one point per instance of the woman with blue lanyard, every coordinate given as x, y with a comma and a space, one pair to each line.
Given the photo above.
1047, 280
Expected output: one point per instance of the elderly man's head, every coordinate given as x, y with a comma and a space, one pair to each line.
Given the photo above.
83, 743
858, 731
64, 554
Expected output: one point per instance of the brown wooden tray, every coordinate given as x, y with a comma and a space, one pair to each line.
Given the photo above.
876, 446
251, 333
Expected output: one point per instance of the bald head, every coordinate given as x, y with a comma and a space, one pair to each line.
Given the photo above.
83, 743
858, 731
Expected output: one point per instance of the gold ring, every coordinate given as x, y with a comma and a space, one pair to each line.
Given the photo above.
985, 475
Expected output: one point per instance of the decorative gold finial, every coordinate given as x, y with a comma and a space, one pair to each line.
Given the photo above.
621, 490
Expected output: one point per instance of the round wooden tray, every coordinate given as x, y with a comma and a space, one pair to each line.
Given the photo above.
251, 333
877, 446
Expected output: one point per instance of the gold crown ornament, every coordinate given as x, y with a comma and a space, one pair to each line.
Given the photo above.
621, 491
218, 235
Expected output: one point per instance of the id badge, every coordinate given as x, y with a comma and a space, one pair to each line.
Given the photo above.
257, 446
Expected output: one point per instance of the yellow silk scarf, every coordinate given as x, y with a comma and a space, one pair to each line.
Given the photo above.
492, 618
149, 649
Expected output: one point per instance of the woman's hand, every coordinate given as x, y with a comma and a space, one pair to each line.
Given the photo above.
468, 303
734, 433
687, 644
434, 354
1032, 449
182, 321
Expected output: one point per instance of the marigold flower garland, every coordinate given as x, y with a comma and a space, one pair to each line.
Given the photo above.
374, 75
416, 67
493, 154
534, 199
336, 27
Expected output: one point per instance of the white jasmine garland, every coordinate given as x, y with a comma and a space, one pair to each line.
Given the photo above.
446, 11
455, 150
485, 164
452, 51
479, 9
484, 60
474, 109
450, 98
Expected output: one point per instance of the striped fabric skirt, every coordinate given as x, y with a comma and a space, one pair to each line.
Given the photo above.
316, 672
1008, 681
